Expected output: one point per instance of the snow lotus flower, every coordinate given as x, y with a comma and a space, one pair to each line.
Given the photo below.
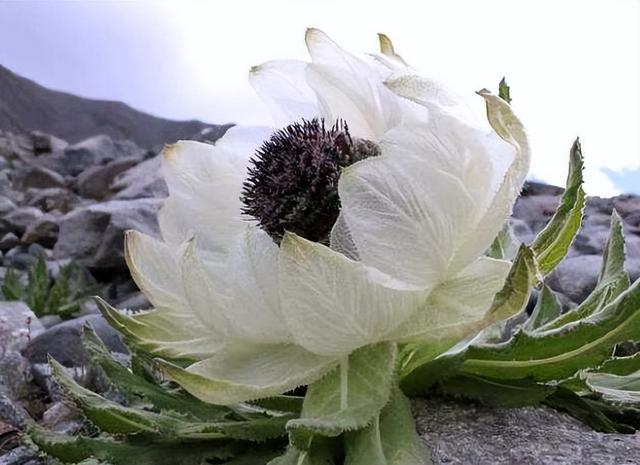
256, 314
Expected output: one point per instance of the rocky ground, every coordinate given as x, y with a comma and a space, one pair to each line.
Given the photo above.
72, 202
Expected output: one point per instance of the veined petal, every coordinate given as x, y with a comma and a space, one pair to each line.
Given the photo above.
253, 277
205, 182
153, 267
334, 305
164, 332
206, 289
509, 128
409, 208
431, 94
456, 307
348, 88
238, 296
282, 85
249, 372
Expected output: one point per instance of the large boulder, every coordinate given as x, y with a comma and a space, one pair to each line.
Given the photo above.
97, 150
43, 143
141, 181
466, 433
63, 341
54, 198
35, 176
94, 235
94, 182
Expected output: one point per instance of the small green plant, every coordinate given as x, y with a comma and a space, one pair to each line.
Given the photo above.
61, 296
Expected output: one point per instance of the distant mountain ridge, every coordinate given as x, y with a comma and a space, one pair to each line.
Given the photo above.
27, 106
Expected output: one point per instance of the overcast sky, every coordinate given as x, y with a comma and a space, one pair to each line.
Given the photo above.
573, 66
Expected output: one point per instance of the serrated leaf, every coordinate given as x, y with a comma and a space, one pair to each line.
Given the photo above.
107, 415
495, 392
559, 353
515, 293
505, 245
584, 410
504, 92
144, 452
547, 309
552, 243
323, 451
139, 390
612, 279
620, 365
112, 417
348, 397
391, 439
423, 365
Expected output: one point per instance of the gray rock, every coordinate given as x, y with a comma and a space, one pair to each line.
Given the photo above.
43, 231
98, 150
54, 198
43, 143
94, 182
62, 418
627, 204
18, 326
94, 235
576, 276
36, 176
20, 456
135, 301
64, 343
521, 230
6, 205
15, 146
536, 211
142, 181
532, 188
470, 434
8, 241
20, 218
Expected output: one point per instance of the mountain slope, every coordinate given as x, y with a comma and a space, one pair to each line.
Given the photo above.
26, 106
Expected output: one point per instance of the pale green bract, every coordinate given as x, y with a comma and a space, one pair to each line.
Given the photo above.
250, 319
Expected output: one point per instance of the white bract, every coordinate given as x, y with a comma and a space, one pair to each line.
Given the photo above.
407, 258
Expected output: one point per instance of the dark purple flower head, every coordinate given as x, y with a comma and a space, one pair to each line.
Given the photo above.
292, 182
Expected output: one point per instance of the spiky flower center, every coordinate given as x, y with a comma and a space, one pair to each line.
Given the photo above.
292, 182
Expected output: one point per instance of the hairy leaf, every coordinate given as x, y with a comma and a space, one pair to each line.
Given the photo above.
391, 439
347, 398
553, 242
558, 353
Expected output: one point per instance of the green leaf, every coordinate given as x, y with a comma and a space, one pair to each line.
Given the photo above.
142, 451
612, 280
423, 365
391, 439
615, 388
547, 308
620, 365
584, 410
559, 353
505, 245
553, 242
323, 451
141, 391
496, 392
348, 397
504, 91
12, 288
514, 295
